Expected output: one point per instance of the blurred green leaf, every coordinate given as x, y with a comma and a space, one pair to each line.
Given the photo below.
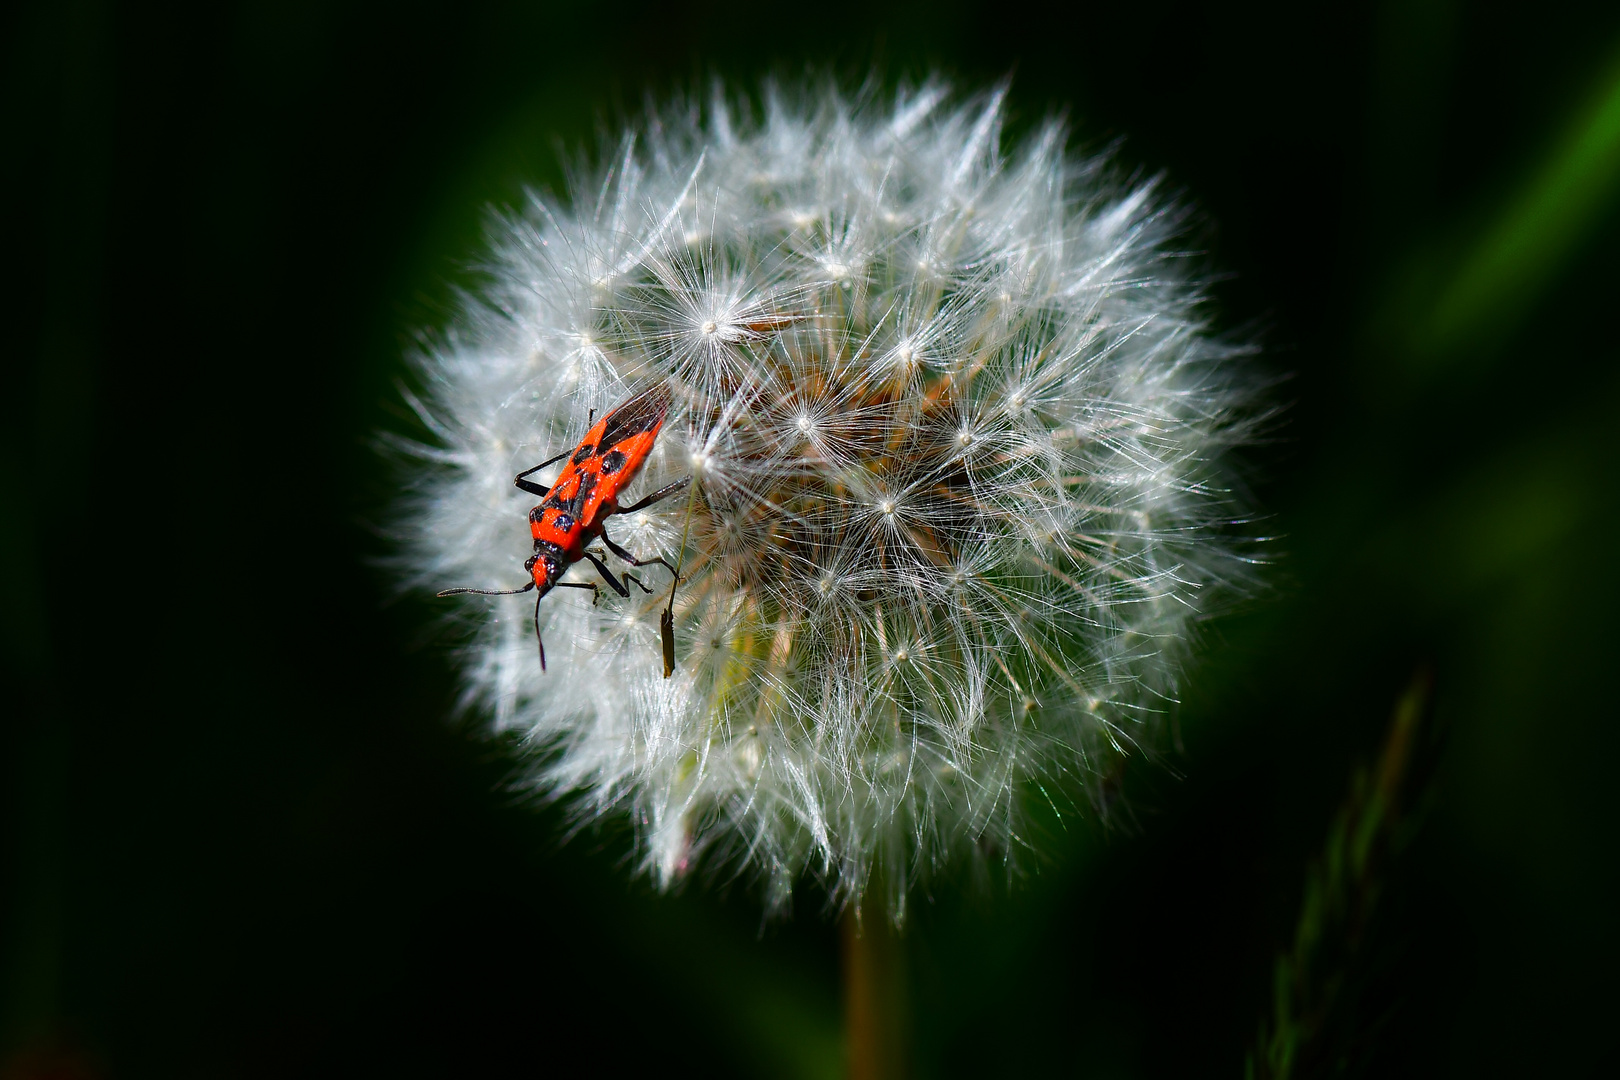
1534, 236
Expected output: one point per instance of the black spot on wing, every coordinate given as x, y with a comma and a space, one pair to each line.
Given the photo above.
613, 462
585, 451
562, 493
641, 413
587, 483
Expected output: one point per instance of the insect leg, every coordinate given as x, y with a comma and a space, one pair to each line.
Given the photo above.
530, 486
631, 559
622, 588
662, 493
596, 590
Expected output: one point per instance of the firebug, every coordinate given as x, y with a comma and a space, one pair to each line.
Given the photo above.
585, 494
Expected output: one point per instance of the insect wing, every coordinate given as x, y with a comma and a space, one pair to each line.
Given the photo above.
605, 460
621, 443
564, 507
640, 415
564, 489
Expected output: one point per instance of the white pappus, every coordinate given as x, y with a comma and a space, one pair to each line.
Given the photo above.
956, 423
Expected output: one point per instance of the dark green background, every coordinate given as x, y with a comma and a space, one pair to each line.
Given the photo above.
242, 838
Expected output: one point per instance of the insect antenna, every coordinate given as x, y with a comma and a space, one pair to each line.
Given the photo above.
538, 642
510, 592
486, 592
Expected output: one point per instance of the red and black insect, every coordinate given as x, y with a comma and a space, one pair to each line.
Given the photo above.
584, 496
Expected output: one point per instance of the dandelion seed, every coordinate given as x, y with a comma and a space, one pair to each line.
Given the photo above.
956, 424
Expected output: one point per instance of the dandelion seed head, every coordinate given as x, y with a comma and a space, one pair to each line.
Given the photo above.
957, 428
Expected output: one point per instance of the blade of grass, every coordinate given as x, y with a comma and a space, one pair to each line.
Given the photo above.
1313, 990
1532, 237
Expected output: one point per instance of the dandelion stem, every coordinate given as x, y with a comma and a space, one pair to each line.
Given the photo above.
874, 992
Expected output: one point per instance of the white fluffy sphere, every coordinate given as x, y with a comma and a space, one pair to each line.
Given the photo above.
955, 421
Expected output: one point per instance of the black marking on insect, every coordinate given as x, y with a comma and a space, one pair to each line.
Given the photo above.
576, 506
